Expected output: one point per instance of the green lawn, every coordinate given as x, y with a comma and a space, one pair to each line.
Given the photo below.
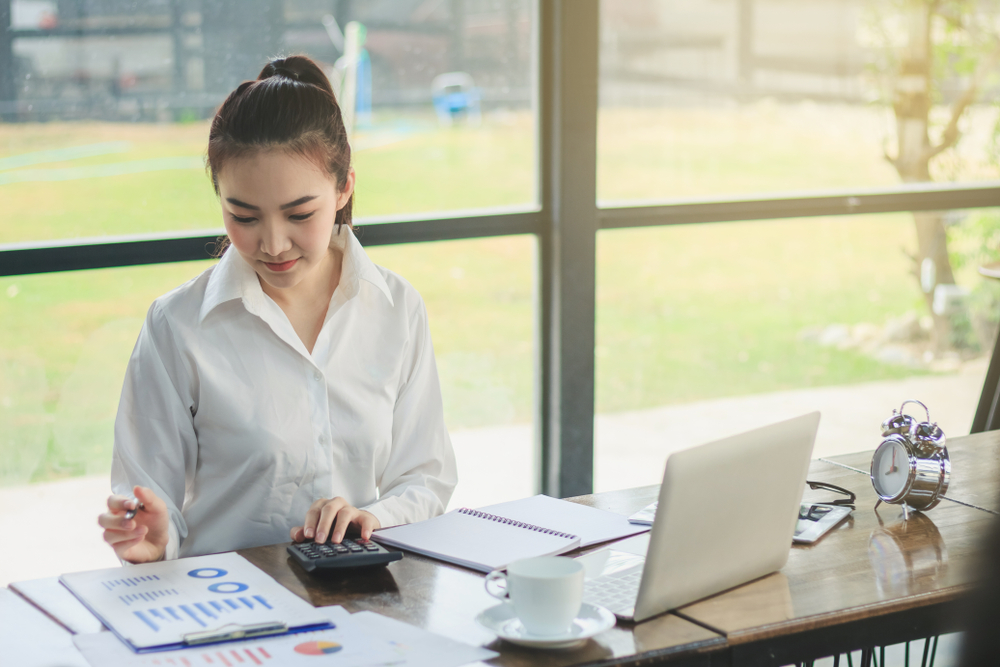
684, 314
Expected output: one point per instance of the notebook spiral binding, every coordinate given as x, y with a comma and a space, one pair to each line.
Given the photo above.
511, 522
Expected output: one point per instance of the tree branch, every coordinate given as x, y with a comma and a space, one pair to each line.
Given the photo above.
951, 133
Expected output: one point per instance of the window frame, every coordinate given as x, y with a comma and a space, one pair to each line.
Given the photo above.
565, 224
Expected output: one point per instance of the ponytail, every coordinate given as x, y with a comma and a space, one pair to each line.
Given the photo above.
291, 106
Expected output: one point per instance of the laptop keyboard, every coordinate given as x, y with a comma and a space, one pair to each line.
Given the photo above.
616, 592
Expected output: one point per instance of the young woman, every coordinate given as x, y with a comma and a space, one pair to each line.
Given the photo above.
289, 391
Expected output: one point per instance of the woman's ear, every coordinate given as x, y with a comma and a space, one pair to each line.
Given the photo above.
344, 195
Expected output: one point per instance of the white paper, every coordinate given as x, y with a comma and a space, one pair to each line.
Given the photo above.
646, 515
55, 600
156, 604
473, 541
365, 639
591, 525
420, 648
346, 645
29, 638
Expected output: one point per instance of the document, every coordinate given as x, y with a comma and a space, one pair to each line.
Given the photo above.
29, 638
55, 600
493, 537
170, 604
360, 640
592, 525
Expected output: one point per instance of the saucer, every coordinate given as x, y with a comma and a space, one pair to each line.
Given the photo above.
590, 621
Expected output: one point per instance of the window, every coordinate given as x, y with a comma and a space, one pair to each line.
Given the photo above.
705, 331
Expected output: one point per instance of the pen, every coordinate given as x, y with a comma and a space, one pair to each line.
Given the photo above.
130, 514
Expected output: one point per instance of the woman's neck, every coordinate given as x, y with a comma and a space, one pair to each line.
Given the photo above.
306, 303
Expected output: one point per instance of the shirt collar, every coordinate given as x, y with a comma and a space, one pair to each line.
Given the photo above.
233, 278
358, 266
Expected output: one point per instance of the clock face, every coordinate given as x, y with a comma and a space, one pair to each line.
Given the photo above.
890, 469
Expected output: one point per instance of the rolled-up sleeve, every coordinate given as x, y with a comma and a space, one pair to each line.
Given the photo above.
155, 441
421, 473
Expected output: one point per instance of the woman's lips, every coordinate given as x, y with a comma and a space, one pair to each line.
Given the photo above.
283, 266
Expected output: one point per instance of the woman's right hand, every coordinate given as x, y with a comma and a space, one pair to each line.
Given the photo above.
142, 539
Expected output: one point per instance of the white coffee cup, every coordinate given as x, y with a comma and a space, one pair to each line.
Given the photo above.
546, 592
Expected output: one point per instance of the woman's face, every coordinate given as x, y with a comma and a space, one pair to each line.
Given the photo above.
279, 210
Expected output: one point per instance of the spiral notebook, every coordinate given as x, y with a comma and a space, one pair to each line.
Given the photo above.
493, 537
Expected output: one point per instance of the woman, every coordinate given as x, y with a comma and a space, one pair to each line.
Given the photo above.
290, 390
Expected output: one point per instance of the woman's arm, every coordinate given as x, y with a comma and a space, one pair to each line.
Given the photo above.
421, 474
155, 442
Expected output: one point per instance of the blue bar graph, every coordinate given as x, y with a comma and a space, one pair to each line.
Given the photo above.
206, 613
187, 610
128, 581
205, 610
147, 621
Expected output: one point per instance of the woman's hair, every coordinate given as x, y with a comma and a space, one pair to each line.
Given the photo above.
290, 107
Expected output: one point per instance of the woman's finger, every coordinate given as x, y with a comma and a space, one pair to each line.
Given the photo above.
115, 521
312, 518
344, 518
297, 533
151, 502
368, 523
326, 517
118, 503
117, 537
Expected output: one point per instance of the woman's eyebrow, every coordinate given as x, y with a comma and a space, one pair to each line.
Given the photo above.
237, 202
297, 202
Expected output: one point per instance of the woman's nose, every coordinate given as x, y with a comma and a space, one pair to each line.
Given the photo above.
274, 240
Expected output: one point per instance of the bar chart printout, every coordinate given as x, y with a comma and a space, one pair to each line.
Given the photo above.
353, 647
359, 640
154, 605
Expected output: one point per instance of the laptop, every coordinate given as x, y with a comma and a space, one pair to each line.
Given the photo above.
726, 514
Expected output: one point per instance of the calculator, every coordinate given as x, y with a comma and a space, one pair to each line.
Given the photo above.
346, 555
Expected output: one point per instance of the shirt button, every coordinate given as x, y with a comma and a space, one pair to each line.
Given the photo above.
317, 376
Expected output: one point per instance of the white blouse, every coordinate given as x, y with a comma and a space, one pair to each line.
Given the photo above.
229, 419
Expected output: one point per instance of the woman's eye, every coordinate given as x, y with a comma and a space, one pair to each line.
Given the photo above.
301, 217
243, 220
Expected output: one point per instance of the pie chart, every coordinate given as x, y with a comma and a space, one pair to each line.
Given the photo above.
317, 648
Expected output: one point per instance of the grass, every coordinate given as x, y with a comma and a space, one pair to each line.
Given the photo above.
684, 314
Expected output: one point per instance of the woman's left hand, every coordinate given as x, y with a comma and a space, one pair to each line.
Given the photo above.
332, 516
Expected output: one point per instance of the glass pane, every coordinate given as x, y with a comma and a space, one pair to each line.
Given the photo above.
104, 131
479, 296
705, 331
67, 338
699, 97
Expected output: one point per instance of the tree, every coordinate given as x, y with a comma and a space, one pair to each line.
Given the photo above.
937, 51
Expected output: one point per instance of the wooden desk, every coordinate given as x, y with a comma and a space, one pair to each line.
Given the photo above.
862, 585
445, 599
875, 580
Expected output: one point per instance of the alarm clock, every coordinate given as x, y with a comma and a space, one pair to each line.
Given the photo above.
911, 466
